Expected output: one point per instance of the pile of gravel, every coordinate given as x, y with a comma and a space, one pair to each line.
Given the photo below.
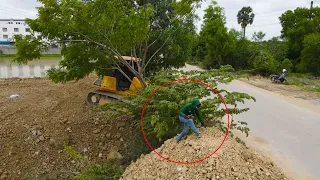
232, 161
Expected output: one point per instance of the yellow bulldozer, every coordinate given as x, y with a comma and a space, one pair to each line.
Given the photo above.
115, 85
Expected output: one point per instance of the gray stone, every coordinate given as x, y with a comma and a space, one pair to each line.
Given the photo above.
114, 155
52, 142
41, 138
96, 131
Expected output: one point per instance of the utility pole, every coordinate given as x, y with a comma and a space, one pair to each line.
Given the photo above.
311, 6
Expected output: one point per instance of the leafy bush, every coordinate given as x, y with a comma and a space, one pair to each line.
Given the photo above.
240, 57
286, 64
161, 114
278, 48
265, 63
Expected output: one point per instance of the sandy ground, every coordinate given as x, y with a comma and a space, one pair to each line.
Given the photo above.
35, 125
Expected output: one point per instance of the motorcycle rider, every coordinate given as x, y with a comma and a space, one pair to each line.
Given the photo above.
283, 75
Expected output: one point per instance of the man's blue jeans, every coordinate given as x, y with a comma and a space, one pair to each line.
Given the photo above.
187, 123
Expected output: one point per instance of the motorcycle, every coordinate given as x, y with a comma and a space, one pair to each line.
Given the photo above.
279, 78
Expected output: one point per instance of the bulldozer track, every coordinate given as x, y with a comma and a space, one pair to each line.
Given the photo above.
101, 94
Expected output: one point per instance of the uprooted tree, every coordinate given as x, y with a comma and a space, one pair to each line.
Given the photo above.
96, 34
160, 120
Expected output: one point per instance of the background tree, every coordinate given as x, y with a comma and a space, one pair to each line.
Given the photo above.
278, 48
241, 57
176, 50
245, 16
310, 55
215, 36
296, 25
236, 34
258, 36
94, 32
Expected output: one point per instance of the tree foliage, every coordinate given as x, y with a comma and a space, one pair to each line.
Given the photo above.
296, 25
265, 63
161, 114
242, 56
93, 32
277, 48
258, 36
311, 53
215, 39
286, 64
245, 17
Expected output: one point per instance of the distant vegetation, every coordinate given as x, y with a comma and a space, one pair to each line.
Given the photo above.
297, 49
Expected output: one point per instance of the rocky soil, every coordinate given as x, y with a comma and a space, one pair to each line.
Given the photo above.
35, 125
231, 161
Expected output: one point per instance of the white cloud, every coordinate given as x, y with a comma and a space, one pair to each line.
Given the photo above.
17, 9
266, 20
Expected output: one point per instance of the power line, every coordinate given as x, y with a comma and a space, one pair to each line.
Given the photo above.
285, 9
13, 14
18, 11
259, 25
5, 11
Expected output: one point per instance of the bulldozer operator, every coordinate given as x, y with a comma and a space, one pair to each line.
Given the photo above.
123, 83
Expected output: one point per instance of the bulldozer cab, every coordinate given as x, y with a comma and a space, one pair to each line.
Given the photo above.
116, 85
122, 82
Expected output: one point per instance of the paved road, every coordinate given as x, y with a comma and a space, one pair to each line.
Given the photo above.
285, 130
288, 131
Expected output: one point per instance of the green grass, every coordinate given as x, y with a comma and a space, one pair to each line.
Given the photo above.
195, 63
106, 171
43, 57
93, 171
306, 81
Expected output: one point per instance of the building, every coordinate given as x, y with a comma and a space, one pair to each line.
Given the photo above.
10, 27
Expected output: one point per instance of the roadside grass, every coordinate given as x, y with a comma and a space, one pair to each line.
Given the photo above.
305, 81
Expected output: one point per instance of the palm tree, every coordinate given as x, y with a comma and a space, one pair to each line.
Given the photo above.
245, 16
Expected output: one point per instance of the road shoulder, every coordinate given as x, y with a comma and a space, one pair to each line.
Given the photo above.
310, 101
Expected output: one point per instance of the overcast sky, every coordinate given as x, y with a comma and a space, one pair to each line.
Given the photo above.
266, 20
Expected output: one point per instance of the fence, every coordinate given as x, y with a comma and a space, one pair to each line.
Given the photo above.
25, 71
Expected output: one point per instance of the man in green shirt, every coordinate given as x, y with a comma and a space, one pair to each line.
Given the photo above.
186, 115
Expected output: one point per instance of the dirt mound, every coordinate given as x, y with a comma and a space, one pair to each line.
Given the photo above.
35, 125
232, 161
